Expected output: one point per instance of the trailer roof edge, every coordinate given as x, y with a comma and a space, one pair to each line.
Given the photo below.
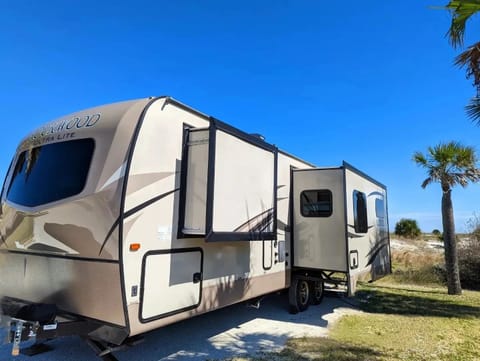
363, 174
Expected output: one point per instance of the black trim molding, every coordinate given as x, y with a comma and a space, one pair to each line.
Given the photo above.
264, 254
121, 217
67, 257
183, 181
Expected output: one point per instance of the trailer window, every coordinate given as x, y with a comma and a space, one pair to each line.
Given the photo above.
51, 172
360, 212
380, 208
316, 203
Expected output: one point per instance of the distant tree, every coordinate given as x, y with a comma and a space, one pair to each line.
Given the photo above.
462, 11
436, 232
407, 228
449, 164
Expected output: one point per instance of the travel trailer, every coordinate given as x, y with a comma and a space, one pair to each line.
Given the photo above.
120, 219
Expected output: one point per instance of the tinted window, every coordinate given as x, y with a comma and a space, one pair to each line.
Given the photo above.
360, 212
316, 203
51, 172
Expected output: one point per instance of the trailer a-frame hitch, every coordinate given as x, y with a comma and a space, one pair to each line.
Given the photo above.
19, 330
39, 323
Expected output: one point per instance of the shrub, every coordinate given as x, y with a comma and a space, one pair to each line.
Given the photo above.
414, 267
469, 265
407, 228
469, 256
436, 232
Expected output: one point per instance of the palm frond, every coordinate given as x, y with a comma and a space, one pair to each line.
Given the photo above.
449, 164
473, 174
420, 159
444, 153
470, 59
473, 109
426, 182
459, 178
462, 11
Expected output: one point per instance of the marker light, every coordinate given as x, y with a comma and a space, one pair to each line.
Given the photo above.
134, 247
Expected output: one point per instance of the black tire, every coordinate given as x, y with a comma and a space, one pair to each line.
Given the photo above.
299, 295
316, 292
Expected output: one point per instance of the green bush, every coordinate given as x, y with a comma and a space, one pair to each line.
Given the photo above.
407, 228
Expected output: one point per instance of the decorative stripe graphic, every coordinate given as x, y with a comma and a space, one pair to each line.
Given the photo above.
133, 211
353, 235
376, 193
379, 246
119, 173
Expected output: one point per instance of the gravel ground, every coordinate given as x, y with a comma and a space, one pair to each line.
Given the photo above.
228, 332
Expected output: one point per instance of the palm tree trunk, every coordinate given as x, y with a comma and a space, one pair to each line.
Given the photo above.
451, 258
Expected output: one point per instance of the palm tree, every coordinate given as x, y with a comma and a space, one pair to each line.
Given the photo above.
449, 164
462, 11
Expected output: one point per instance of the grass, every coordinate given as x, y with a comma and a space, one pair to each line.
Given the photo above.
414, 323
408, 317
401, 323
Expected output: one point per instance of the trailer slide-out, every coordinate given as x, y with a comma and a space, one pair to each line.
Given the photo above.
120, 219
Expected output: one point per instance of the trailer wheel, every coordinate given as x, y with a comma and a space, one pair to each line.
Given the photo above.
316, 292
299, 295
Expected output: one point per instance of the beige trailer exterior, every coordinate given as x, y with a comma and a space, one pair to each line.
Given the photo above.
138, 214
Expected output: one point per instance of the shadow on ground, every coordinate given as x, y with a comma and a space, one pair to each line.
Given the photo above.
324, 349
380, 299
234, 331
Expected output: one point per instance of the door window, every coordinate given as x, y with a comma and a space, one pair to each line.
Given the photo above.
316, 203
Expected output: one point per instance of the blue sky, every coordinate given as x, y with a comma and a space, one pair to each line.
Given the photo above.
366, 82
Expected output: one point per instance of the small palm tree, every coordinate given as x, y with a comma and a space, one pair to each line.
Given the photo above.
449, 164
407, 228
462, 11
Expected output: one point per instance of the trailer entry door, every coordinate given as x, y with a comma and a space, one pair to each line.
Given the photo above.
171, 282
